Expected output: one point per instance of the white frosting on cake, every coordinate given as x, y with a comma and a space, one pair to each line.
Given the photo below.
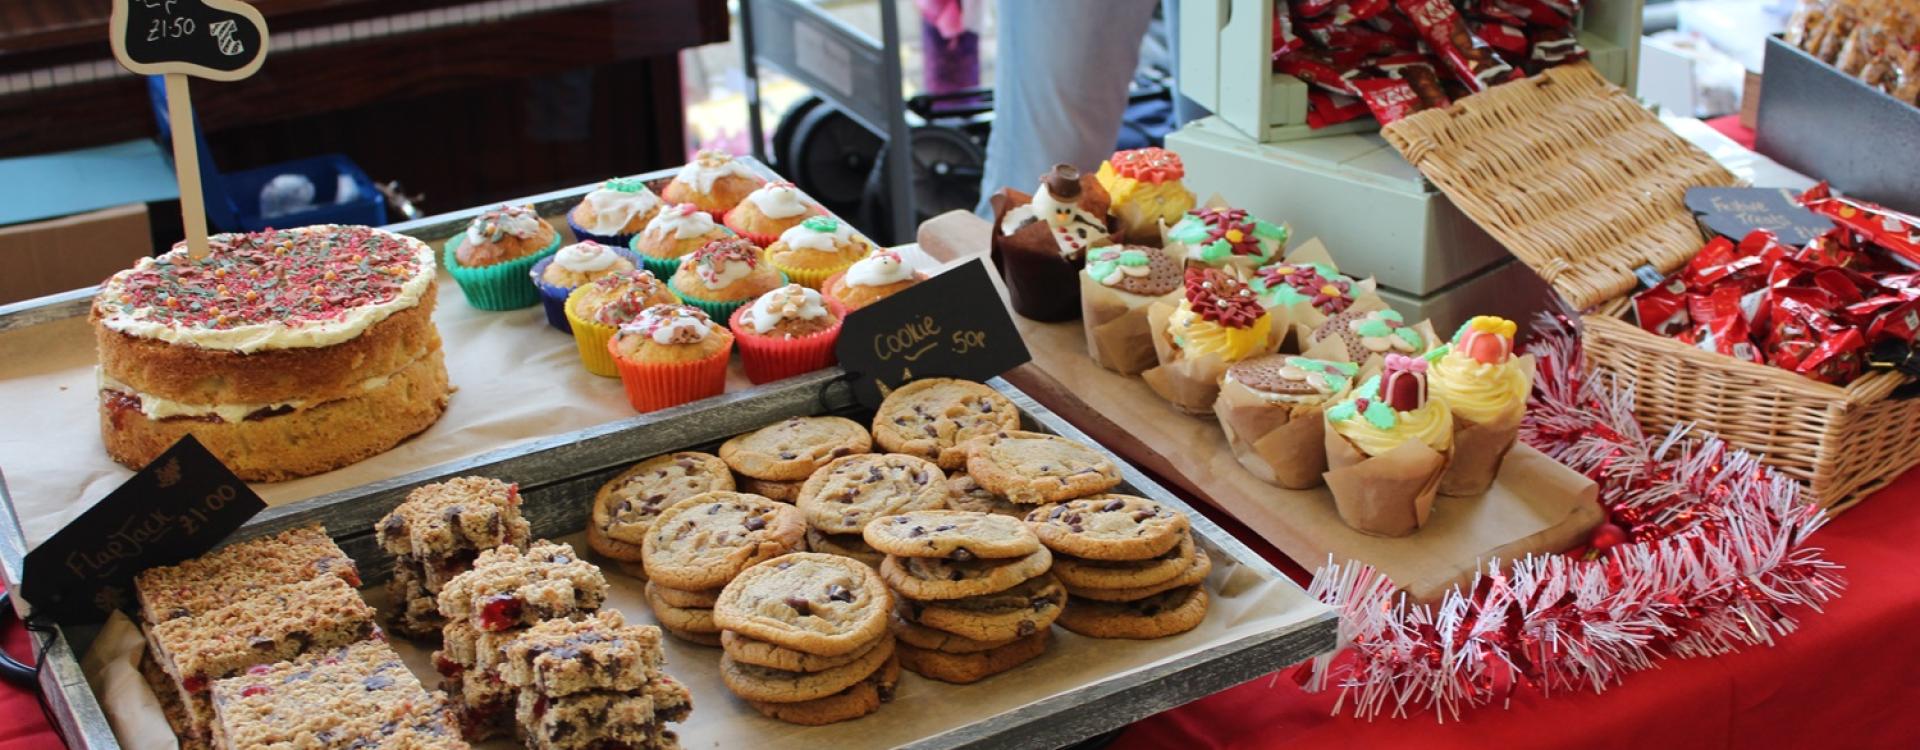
779, 200
792, 301
879, 269
685, 220
586, 257
810, 235
708, 167
612, 209
160, 407
519, 221
670, 324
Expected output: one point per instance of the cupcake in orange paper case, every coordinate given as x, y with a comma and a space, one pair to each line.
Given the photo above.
574, 266
819, 247
490, 261
1215, 323
1272, 408
669, 355
1147, 194
724, 274
597, 309
1118, 286
871, 279
1227, 238
767, 213
673, 233
1367, 332
1388, 444
614, 212
1040, 242
786, 332
1486, 387
714, 181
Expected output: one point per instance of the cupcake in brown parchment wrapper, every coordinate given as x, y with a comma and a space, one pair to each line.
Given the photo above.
1486, 388
1370, 331
1215, 323
1272, 409
1121, 282
1303, 289
1040, 241
1388, 445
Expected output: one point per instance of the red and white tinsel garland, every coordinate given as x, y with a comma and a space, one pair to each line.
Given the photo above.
1705, 552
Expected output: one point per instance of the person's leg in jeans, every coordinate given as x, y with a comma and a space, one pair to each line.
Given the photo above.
1060, 80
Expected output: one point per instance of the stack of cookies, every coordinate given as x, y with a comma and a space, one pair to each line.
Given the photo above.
1129, 563
975, 596
844, 496
933, 418
627, 505
594, 682
806, 639
506, 593
699, 544
775, 460
435, 534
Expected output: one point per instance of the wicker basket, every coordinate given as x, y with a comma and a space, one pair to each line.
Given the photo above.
1586, 186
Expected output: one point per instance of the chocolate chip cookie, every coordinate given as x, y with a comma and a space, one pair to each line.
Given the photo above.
847, 494
967, 494
1109, 527
931, 418
1122, 574
966, 668
844, 545
761, 653
932, 579
690, 620
953, 534
1194, 575
784, 491
863, 698
790, 450
1005, 615
702, 599
1164, 614
702, 542
812, 602
1034, 468
626, 505
757, 683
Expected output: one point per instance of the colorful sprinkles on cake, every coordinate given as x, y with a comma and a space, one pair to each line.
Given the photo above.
710, 262
1224, 234
1222, 299
636, 288
289, 276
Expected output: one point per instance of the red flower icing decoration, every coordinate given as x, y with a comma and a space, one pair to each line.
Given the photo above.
1223, 299
1230, 225
1150, 164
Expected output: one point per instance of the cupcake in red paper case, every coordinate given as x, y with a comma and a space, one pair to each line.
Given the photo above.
1215, 323
1148, 197
817, 248
724, 274
1040, 241
598, 309
714, 181
1387, 447
1368, 332
786, 332
614, 212
1228, 238
770, 211
1118, 286
1486, 387
871, 279
1272, 408
490, 260
574, 266
669, 355
672, 234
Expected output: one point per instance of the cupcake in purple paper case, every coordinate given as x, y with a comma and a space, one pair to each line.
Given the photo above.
597, 309
786, 332
767, 213
675, 232
614, 212
574, 266
1388, 445
724, 274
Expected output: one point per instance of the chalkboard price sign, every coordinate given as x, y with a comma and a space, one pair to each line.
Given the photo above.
952, 325
218, 39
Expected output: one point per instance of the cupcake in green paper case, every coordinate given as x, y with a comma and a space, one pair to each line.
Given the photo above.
1226, 238
723, 275
492, 260
674, 233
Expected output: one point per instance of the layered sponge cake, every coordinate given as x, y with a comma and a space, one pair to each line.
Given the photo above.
286, 353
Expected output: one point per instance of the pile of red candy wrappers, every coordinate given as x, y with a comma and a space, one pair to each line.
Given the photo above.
1392, 58
1818, 310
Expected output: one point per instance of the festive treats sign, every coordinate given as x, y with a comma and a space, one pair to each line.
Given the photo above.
947, 325
1737, 211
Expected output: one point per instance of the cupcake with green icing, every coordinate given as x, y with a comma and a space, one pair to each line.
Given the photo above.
1272, 409
1364, 335
1118, 285
1388, 445
1226, 238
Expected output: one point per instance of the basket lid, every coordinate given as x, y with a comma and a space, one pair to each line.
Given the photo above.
1577, 179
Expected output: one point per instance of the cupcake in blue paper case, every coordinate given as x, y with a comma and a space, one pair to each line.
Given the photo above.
572, 267
676, 231
1226, 238
614, 212
491, 260
723, 275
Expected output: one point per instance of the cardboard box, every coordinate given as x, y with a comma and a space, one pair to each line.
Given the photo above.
59, 255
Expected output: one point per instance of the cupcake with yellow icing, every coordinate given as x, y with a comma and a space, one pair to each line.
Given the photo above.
723, 275
871, 279
714, 181
1147, 194
1387, 447
767, 213
819, 247
1216, 323
597, 309
674, 233
575, 266
1226, 238
1486, 387
1272, 410
614, 212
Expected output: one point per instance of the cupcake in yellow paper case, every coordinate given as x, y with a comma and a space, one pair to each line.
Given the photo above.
1216, 323
1486, 387
1227, 238
819, 247
1147, 194
1388, 444
598, 308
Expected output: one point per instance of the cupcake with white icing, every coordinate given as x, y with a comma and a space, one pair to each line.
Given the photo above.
871, 279
786, 332
669, 355
614, 212
819, 247
724, 274
714, 181
767, 213
574, 266
491, 259
672, 234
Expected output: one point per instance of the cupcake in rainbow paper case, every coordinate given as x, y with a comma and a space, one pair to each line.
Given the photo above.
574, 266
614, 212
871, 279
1486, 388
817, 248
670, 355
767, 213
674, 232
1214, 324
1226, 238
1388, 444
1272, 409
786, 332
598, 308
490, 260
724, 274
1148, 198
714, 181
1119, 285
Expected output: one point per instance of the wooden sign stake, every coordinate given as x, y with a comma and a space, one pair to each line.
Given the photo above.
186, 165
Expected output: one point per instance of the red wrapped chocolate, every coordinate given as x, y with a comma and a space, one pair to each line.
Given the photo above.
1468, 58
1389, 99
1331, 71
1891, 230
1325, 109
